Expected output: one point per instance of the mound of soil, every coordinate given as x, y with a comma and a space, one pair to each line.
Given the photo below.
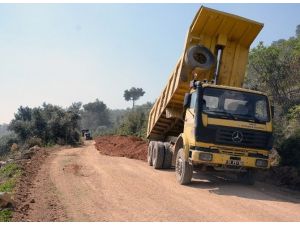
124, 146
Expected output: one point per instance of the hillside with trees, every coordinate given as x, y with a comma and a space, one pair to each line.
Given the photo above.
49, 124
275, 70
46, 125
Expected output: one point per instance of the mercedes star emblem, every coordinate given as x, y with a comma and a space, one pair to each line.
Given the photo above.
237, 136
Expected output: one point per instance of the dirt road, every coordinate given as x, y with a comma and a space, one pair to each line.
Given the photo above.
94, 187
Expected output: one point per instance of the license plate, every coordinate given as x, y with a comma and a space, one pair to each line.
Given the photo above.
233, 162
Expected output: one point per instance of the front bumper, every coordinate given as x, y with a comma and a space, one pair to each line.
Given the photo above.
221, 159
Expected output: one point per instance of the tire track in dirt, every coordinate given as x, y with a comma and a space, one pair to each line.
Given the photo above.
95, 187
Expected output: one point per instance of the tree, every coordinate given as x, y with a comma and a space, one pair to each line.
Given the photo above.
289, 151
275, 70
298, 31
133, 94
135, 121
21, 124
75, 107
3, 129
38, 123
6, 142
94, 115
48, 124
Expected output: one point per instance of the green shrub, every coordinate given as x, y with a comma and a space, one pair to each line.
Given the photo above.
103, 130
289, 151
134, 123
9, 170
8, 177
33, 141
5, 215
46, 124
8, 185
6, 142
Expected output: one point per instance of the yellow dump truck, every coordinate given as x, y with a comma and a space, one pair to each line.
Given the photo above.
203, 117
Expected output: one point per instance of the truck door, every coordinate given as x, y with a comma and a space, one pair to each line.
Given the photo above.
189, 122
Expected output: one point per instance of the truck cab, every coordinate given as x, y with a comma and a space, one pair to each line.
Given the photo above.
227, 128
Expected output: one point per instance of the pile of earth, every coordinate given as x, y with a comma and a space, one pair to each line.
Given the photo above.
124, 146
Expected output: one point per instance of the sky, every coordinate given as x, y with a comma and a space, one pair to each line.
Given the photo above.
64, 53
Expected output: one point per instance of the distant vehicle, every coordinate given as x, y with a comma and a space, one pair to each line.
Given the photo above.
86, 133
203, 117
88, 136
83, 131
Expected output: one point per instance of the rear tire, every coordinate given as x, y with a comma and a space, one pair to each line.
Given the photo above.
150, 152
184, 171
168, 156
158, 155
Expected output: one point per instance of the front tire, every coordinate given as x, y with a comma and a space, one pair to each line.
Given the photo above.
183, 170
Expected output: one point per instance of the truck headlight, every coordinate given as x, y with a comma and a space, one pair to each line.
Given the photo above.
261, 163
205, 156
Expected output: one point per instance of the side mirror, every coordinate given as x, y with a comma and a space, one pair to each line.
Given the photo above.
187, 100
272, 111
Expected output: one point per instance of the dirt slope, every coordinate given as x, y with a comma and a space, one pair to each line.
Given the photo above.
95, 187
36, 197
124, 146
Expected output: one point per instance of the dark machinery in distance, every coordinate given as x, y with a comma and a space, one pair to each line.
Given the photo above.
86, 133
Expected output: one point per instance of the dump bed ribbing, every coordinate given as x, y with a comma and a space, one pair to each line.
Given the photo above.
213, 29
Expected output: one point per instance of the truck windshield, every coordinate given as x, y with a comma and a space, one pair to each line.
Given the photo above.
235, 105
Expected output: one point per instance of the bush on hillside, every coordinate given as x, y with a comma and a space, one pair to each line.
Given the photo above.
46, 125
135, 121
289, 151
6, 142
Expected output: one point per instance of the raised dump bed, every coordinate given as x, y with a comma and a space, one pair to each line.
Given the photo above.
215, 30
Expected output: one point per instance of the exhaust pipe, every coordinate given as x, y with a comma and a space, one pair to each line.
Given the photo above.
219, 57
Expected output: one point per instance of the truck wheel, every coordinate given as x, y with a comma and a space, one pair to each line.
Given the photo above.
199, 56
246, 178
150, 152
168, 156
184, 171
158, 155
